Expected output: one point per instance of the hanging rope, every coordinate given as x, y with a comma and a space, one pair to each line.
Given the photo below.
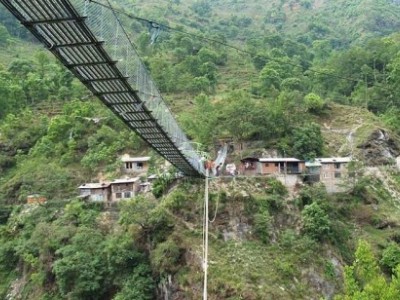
216, 211
205, 235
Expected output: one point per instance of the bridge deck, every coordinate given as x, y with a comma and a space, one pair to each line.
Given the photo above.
90, 41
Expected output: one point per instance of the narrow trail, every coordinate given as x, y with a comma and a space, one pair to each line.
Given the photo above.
350, 138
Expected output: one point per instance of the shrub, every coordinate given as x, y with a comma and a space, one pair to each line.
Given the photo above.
276, 187
391, 256
314, 103
161, 184
140, 286
165, 258
263, 226
316, 223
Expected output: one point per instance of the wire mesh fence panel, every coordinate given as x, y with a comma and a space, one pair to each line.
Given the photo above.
88, 37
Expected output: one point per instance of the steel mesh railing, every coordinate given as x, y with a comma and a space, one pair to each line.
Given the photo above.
106, 26
50, 22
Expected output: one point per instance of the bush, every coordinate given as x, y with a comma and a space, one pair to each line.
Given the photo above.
314, 103
139, 286
165, 258
310, 194
161, 184
391, 256
276, 187
175, 200
263, 226
316, 223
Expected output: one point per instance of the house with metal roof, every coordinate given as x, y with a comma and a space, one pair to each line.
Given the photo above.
333, 172
135, 165
97, 192
124, 188
281, 165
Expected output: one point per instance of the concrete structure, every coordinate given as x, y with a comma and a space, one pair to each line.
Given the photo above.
333, 171
135, 165
313, 172
145, 187
286, 165
289, 180
97, 192
124, 188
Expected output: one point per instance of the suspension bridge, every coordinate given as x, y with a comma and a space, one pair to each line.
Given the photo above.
91, 42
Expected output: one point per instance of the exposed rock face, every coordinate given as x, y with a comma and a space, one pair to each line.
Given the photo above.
380, 149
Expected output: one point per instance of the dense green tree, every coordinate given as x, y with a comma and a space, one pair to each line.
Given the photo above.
363, 279
139, 285
391, 256
201, 124
307, 141
316, 222
314, 103
241, 115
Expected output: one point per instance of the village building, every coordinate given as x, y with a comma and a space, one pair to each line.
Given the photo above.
135, 165
285, 165
145, 187
333, 172
313, 171
333, 167
97, 192
249, 166
124, 188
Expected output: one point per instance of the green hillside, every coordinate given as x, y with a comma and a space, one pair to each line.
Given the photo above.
298, 79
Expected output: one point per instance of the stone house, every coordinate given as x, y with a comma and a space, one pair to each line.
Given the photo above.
135, 165
124, 188
333, 172
97, 192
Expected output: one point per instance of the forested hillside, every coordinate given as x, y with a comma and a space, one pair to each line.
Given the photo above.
298, 78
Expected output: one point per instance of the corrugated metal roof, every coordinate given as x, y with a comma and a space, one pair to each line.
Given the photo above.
330, 160
97, 185
280, 159
135, 159
310, 164
125, 180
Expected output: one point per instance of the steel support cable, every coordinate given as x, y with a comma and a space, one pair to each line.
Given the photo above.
205, 234
222, 43
61, 28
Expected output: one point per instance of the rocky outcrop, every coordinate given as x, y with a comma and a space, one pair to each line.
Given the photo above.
381, 148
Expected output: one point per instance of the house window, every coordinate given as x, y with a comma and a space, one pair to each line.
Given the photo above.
139, 165
127, 195
337, 166
118, 195
267, 164
128, 165
338, 175
276, 164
